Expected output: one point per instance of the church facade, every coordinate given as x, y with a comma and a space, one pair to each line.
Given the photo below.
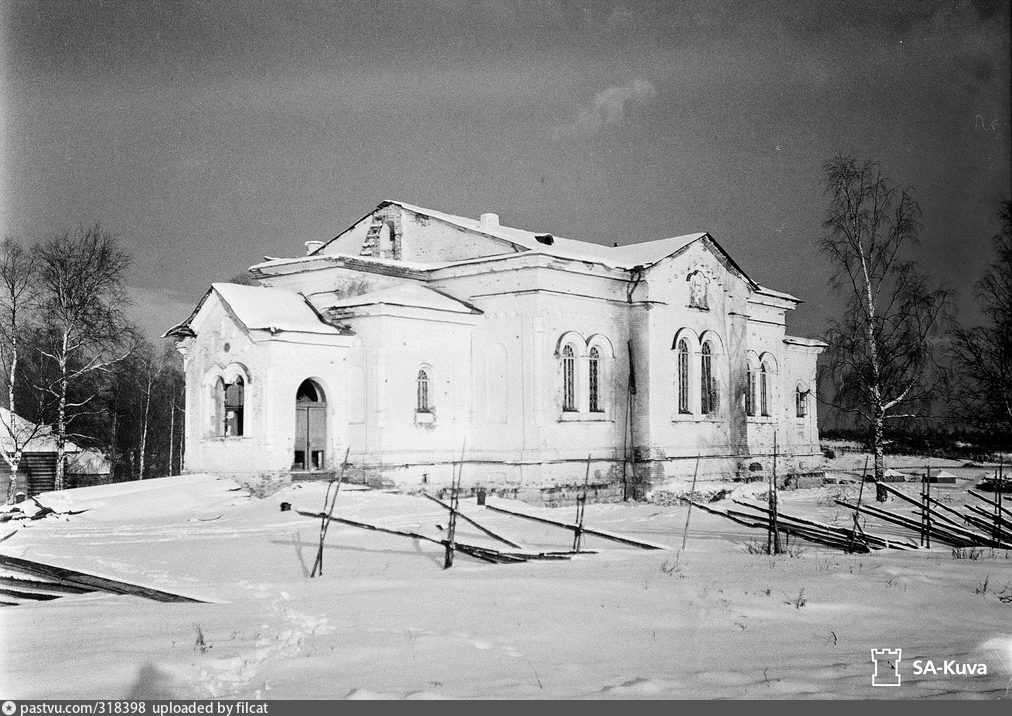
416, 341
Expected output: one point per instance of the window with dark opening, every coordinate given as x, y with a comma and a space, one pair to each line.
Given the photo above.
595, 381
683, 377
764, 391
801, 397
749, 390
568, 379
707, 402
234, 404
422, 392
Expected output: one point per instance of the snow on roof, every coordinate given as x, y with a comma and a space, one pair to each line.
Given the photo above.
404, 295
39, 437
316, 258
627, 257
272, 309
778, 294
262, 308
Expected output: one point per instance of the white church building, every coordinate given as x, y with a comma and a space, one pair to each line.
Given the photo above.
415, 341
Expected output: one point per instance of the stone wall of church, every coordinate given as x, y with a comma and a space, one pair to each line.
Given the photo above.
272, 370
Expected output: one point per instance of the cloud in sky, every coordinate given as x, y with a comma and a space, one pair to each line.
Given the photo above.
609, 107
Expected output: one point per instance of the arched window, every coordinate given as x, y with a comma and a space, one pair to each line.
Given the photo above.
706, 393
683, 377
749, 390
568, 379
234, 405
801, 400
764, 391
422, 404
594, 369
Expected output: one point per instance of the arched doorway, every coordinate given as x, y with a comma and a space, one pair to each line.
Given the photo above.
310, 428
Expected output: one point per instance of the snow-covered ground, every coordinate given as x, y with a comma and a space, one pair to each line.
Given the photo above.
387, 621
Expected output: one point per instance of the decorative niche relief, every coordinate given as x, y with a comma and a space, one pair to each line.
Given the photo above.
699, 286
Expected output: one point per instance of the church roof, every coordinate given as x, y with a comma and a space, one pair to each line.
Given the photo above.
625, 257
261, 308
412, 295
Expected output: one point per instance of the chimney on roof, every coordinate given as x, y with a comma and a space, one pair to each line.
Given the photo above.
312, 246
488, 221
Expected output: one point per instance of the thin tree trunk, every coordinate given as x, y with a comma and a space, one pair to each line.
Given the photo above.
878, 443
14, 459
114, 448
172, 430
61, 420
182, 436
144, 426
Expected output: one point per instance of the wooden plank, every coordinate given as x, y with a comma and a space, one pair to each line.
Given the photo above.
366, 526
40, 584
993, 503
986, 525
83, 579
25, 594
841, 534
952, 524
486, 553
898, 493
585, 530
1004, 524
473, 523
949, 536
758, 522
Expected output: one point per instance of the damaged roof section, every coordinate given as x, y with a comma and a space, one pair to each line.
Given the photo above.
266, 309
407, 295
623, 257
513, 242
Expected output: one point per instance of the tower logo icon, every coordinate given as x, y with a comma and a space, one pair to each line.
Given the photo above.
887, 667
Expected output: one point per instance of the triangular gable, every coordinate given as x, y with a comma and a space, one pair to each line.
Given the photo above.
260, 308
719, 253
510, 244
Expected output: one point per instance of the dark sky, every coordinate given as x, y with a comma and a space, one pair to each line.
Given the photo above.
208, 134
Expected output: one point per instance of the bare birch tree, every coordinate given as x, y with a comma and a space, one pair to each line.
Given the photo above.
81, 278
18, 297
982, 355
146, 373
880, 353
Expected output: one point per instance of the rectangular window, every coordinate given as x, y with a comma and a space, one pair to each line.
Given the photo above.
683, 378
568, 379
764, 406
234, 408
595, 381
749, 392
706, 381
422, 394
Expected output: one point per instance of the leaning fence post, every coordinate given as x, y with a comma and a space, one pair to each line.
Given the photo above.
692, 494
454, 503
